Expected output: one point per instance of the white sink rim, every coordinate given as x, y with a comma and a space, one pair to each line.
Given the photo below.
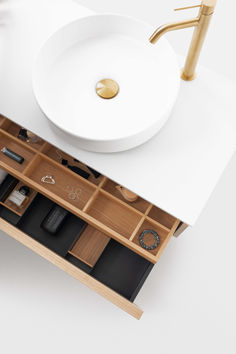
126, 140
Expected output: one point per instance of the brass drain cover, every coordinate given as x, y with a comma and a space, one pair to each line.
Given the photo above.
107, 88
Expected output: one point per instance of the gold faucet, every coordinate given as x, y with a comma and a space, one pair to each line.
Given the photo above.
201, 24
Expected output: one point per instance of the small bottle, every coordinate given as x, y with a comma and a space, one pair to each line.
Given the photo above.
20, 198
22, 135
32, 138
28, 136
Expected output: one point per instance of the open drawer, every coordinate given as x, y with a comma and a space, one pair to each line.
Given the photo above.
99, 243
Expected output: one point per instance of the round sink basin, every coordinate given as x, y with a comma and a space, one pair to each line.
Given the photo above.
99, 79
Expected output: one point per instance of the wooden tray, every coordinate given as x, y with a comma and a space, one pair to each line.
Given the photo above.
97, 202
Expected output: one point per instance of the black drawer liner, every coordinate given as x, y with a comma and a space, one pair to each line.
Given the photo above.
122, 270
79, 264
60, 243
9, 216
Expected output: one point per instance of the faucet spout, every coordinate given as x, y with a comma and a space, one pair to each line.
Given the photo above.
160, 31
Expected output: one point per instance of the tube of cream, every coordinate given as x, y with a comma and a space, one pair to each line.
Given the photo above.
12, 155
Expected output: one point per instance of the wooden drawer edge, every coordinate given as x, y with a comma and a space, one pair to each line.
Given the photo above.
70, 269
180, 229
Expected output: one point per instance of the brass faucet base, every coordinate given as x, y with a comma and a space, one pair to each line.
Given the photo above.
187, 78
107, 88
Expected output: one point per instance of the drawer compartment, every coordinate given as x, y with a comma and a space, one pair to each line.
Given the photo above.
14, 129
20, 210
60, 243
122, 270
68, 186
90, 246
18, 148
58, 155
115, 215
162, 217
140, 204
149, 239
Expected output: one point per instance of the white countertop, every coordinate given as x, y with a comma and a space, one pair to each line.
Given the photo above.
176, 170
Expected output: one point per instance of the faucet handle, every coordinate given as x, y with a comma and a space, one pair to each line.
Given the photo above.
207, 7
187, 7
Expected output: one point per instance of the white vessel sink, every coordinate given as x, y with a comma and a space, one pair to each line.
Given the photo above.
75, 58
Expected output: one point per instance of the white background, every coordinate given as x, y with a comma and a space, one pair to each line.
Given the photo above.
189, 300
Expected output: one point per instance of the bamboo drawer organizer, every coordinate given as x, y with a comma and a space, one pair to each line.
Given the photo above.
99, 203
106, 255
